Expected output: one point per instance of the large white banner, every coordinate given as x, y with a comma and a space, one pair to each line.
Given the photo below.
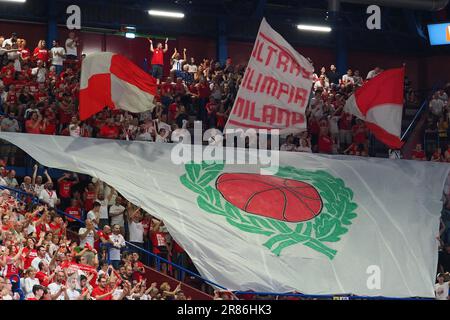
320, 225
275, 90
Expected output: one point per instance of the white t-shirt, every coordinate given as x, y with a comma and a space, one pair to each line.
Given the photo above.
103, 209
73, 294
177, 65
56, 59
71, 51
119, 242
28, 286
118, 219
54, 289
303, 149
49, 197
136, 232
6, 42
146, 136
441, 291
333, 123
89, 238
192, 68
41, 74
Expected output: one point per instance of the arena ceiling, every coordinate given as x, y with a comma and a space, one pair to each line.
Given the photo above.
403, 29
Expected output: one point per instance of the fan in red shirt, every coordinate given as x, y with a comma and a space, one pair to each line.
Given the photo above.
41, 52
42, 275
28, 254
102, 291
359, 132
158, 59
11, 98
103, 237
418, 154
33, 126
74, 210
57, 226
65, 184
25, 54
325, 144
48, 127
89, 196
204, 91
167, 88
109, 130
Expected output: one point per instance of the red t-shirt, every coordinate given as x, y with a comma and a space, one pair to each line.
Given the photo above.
204, 91
210, 107
158, 240
11, 97
65, 188
50, 129
359, 134
25, 53
418, 154
40, 96
41, 54
89, 200
172, 111
29, 127
74, 211
180, 89
325, 144
27, 260
111, 132
158, 56
99, 292
55, 227
43, 278
167, 88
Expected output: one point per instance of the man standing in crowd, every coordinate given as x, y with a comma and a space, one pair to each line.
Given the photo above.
158, 59
72, 44
57, 55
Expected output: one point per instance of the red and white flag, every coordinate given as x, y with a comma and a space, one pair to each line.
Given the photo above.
111, 80
275, 90
380, 104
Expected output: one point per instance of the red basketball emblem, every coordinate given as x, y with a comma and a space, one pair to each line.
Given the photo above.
272, 197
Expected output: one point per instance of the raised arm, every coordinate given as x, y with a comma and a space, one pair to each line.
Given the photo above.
49, 179
174, 53
166, 46
184, 55
35, 169
151, 45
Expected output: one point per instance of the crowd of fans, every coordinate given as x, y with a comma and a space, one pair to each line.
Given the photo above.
94, 253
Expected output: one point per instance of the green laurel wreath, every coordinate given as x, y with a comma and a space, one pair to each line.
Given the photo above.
328, 227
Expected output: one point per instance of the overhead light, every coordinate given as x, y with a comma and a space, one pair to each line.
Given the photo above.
130, 35
18, 1
313, 28
168, 14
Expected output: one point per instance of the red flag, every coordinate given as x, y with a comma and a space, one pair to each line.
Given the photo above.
380, 104
111, 80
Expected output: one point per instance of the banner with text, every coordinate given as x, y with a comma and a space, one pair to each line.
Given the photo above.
275, 90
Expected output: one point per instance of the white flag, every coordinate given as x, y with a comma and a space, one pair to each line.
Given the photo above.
275, 90
320, 225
